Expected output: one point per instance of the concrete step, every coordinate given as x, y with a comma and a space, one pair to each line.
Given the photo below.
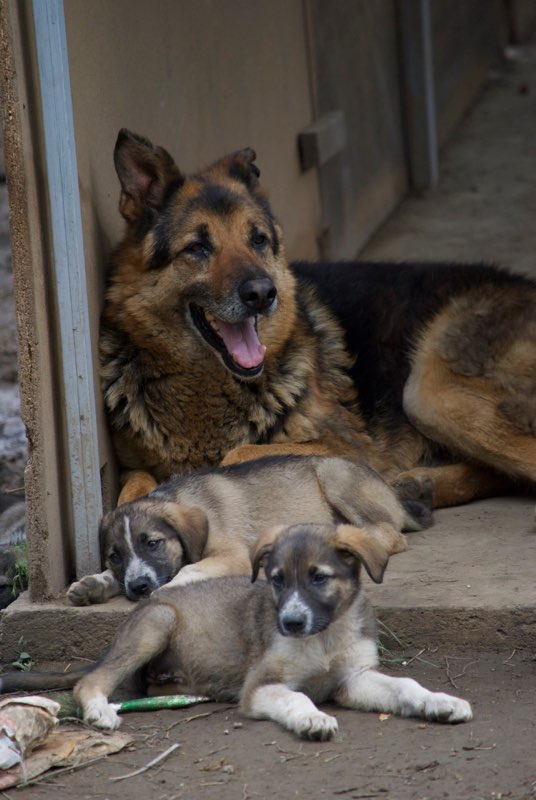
467, 583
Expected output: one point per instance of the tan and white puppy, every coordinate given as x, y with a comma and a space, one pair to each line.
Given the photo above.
202, 525
305, 636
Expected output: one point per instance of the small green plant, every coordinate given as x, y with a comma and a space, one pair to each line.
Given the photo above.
24, 662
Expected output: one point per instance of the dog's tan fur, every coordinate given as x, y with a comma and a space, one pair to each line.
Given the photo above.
306, 636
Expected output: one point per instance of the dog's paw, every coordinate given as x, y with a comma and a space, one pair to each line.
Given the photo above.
86, 592
317, 726
188, 574
442, 707
92, 589
414, 486
102, 714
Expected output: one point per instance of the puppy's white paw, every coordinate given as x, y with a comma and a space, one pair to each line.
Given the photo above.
446, 708
102, 714
316, 725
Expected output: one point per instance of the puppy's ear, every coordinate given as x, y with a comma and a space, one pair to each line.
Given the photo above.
263, 547
145, 172
191, 527
371, 547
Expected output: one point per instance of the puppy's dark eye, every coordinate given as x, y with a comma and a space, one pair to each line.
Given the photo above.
153, 544
259, 240
319, 578
277, 580
114, 557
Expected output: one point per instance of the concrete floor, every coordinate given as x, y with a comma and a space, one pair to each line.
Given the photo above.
468, 582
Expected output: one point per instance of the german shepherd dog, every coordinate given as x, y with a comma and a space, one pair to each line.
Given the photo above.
305, 636
202, 525
214, 349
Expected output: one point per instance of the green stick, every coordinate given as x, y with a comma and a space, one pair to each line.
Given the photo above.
69, 707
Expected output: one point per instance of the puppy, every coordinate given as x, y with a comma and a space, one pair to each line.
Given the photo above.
202, 525
305, 636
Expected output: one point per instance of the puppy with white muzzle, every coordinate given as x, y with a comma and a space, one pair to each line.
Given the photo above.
304, 636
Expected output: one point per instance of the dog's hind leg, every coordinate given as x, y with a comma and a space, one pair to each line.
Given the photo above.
293, 710
372, 691
143, 636
472, 389
361, 497
450, 484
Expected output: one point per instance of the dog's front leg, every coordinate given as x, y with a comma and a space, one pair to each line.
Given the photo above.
92, 589
250, 452
143, 635
293, 710
373, 691
230, 562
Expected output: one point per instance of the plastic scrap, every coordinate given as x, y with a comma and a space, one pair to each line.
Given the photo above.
25, 722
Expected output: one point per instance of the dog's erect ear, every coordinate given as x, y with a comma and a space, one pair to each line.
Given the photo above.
145, 173
263, 547
191, 526
371, 547
241, 166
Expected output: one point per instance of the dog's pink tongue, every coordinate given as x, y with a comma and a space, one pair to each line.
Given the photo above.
242, 342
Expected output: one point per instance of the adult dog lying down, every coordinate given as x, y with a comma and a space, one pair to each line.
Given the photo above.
202, 525
212, 347
305, 636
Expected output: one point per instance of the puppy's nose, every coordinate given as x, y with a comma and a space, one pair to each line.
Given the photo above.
140, 587
258, 294
293, 624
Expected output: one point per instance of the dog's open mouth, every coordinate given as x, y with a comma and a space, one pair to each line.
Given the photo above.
237, 342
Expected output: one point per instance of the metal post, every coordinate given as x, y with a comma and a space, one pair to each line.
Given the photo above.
419, 91
69, 282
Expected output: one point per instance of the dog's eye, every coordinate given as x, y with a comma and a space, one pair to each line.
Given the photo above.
153, 544
319, 578
114, 557
197, 248
277, 580
259, 240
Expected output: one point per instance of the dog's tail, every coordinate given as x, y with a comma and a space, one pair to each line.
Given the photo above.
418, 516
16, 681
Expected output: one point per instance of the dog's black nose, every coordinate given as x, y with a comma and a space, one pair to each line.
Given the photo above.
292, 625
140, 587
258, 294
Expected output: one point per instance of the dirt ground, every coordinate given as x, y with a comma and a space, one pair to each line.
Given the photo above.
224, 755
483, 210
